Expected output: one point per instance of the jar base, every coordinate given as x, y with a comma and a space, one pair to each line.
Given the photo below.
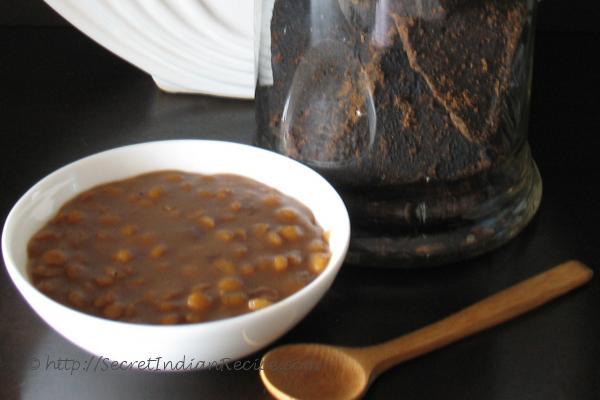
404, 231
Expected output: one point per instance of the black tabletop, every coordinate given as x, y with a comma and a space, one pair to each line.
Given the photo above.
63, 97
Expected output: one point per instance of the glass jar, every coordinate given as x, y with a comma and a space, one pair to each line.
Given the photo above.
415, 110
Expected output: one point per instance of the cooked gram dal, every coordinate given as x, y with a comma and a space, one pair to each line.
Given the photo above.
172, 247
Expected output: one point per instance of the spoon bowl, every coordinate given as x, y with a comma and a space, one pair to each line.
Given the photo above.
287, 369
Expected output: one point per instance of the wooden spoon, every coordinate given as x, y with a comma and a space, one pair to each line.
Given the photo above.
314, 371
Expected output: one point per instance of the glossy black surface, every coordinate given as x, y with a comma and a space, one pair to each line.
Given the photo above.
63, 97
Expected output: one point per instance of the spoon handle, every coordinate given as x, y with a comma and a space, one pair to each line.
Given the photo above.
491, 311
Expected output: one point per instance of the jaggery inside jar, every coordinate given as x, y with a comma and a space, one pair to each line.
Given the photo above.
172, 247
396, 92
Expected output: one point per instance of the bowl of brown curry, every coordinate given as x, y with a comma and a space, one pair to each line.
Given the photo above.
188, 247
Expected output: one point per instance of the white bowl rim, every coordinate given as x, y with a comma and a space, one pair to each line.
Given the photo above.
332, 268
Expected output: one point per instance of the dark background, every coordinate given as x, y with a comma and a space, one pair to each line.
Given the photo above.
64, 97
555, 15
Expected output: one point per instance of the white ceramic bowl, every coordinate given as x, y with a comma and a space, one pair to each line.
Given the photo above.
230, 338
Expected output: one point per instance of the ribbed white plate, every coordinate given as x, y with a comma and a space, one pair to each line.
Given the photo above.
193, 46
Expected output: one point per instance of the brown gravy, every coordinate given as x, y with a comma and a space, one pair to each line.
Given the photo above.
172, 247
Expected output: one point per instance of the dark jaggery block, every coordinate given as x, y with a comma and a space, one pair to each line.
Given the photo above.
416, 138
363, 13
359, 13
466, 59
326, 118
313, 101
318, 109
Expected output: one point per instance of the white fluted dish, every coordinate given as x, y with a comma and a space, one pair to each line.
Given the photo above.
192, 46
